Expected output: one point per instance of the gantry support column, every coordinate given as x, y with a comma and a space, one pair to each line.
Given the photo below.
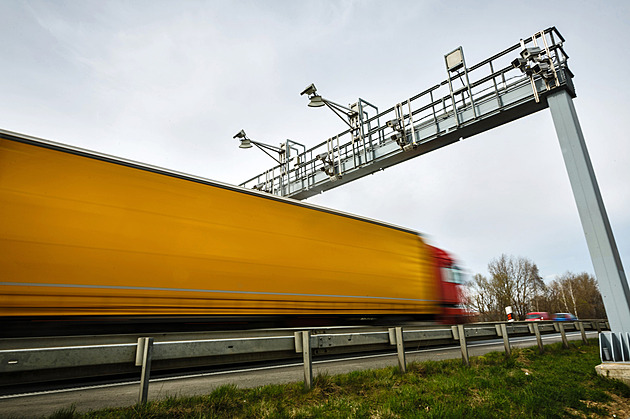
599, 237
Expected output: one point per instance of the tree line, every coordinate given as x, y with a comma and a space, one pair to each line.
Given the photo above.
516, 282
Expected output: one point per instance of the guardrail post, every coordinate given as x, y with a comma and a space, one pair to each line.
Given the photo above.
583, 332
396, 338
599, 327
144, 353
533, 327
506, 339
459, 333
565, 341
303, 344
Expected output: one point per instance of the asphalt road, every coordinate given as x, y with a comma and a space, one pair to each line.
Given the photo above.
118, 395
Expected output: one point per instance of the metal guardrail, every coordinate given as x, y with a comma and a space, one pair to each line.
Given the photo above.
19, 362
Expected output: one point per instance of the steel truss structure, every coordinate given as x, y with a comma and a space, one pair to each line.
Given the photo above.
470, 101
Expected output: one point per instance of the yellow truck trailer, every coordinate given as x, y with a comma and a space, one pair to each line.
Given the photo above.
86, 234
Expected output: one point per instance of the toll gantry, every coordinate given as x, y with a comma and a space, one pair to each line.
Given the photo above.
500, 89
525, 78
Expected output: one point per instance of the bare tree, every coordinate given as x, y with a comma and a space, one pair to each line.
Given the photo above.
515, 282
480, 299
577, 294
539, 291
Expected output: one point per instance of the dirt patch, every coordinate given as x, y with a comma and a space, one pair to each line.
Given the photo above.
618, 407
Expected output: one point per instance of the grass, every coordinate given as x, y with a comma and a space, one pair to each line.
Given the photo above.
560, 383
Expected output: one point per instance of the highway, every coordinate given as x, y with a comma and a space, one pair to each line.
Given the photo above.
126, 394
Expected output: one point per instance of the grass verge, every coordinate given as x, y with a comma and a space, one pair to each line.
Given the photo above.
560, 383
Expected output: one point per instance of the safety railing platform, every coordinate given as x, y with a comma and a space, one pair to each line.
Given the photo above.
472, 100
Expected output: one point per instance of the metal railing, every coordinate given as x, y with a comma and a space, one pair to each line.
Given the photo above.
493, 92
23, 364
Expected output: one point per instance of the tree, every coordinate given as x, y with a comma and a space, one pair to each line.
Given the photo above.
480, 300
516, 282
513, 282
577, 294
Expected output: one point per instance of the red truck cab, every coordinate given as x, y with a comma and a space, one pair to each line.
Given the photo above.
451, 288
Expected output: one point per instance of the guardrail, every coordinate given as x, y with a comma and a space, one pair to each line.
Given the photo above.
24, 364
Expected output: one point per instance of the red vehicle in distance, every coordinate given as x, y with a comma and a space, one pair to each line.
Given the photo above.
537, 316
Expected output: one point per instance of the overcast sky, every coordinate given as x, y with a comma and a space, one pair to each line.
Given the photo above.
170, 82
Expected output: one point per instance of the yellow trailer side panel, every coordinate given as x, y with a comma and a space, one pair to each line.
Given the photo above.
80, 235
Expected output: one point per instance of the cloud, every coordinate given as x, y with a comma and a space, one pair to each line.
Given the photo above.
170, 84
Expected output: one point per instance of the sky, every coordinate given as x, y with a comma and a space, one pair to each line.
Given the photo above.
169, 84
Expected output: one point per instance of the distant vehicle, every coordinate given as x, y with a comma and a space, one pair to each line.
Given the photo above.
537, 316
563, 317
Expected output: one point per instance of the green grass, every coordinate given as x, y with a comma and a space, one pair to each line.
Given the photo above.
560, 383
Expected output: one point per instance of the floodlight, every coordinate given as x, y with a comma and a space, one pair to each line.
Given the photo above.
316, 101
350, 115
245, 143
266, 148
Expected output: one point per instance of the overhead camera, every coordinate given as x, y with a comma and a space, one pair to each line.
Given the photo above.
519, 63
540, 67
309, 90
325, 158
531, 53
394, 124
543, 69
